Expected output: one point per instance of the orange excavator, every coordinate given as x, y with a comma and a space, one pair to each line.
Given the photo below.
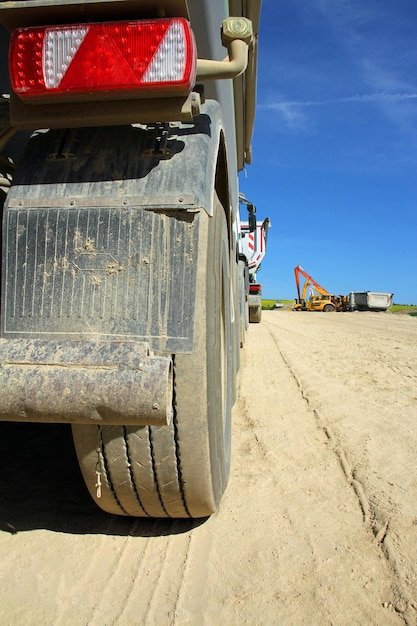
319, 299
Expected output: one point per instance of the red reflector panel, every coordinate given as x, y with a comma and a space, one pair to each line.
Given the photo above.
103, 61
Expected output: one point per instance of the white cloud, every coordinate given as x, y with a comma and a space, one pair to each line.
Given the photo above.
292, 114
286, 107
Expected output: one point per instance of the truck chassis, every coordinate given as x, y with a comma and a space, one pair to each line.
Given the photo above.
123, 291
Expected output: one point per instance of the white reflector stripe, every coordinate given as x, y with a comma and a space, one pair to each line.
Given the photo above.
59, 49
168, 62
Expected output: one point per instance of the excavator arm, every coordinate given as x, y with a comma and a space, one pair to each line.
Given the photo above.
309, 281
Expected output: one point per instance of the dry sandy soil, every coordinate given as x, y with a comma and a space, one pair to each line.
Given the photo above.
318, 525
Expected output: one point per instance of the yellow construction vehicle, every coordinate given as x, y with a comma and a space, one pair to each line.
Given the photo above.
319, 299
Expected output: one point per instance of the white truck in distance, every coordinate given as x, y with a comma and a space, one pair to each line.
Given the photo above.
253, 239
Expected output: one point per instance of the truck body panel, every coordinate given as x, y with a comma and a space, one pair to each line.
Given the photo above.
124, 292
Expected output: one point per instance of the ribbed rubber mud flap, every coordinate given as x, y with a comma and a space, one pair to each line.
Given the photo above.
100, 241
100, 273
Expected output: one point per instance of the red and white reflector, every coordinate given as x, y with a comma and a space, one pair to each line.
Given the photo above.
111, 60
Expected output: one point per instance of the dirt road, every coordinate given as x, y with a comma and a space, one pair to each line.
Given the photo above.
318, 525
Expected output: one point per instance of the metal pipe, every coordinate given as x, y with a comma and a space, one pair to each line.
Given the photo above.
231, 67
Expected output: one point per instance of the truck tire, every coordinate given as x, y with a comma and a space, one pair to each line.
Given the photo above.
329, 308
242, 303
255, 314
179, 470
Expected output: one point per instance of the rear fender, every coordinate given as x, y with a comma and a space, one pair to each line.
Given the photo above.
103, 233
171, 166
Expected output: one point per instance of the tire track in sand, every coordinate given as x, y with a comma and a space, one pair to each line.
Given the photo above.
163, 568
124, 578
405, 605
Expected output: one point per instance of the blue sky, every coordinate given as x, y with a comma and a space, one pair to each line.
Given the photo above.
335, 145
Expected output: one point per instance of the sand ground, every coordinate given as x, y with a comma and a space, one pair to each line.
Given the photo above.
318, 525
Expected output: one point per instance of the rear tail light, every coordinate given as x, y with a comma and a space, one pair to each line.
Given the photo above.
103, 61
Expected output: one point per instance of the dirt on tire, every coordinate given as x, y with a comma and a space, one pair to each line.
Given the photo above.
318, 524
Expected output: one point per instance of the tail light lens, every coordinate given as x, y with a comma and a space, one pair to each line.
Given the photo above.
103, 61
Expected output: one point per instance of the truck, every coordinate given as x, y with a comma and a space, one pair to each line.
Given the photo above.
124, 124
319, 299
253, 240
369, 301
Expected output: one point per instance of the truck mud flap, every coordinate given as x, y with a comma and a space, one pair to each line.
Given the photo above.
84, 382
116, 274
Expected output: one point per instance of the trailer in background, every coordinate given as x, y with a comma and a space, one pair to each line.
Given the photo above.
369, 301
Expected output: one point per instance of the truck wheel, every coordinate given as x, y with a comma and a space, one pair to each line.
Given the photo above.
243, 304
329, 308
255, 314
178, 470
